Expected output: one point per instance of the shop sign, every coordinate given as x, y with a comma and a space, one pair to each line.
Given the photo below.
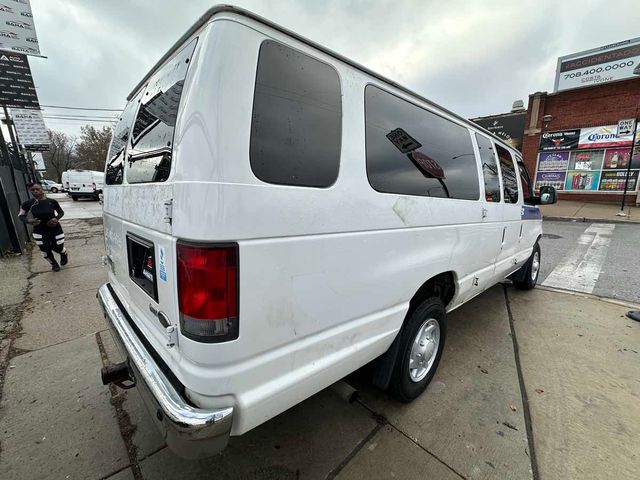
564, 140
509, 127
605, 136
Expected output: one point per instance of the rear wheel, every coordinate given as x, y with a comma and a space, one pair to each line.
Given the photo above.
531, 271
421, 344
54, 190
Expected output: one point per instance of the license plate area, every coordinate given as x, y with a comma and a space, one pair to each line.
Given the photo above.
142, 264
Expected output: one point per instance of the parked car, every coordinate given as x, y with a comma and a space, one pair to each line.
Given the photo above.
276, 216
51, 186
83, 183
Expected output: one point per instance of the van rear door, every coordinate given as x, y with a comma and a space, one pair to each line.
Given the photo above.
137, 200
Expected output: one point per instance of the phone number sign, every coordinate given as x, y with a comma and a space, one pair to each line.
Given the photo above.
606, 64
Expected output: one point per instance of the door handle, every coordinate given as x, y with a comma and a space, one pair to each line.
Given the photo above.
484, 212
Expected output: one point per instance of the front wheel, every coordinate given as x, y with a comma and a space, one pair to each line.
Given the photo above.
421, 344
531, 271
54, 190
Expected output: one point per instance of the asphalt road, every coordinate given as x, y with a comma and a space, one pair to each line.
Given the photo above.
610, 253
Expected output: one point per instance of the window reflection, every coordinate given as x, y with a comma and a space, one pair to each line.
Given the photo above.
115, 159
489, 169
150, 149
436, 159
509, 180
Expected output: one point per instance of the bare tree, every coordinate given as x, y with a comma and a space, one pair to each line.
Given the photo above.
93, 146
61, 155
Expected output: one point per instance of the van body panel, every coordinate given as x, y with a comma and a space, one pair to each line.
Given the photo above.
326, 275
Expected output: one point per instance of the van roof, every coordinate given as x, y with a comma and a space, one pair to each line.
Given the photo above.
246, 13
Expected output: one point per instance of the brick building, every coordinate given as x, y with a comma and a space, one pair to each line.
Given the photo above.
586, 172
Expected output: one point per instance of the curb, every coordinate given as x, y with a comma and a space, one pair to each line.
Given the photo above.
589, 220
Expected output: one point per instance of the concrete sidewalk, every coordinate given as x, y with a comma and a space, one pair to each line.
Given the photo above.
567, 210
570, 393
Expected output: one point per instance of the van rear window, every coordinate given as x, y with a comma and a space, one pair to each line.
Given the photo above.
297, 119
151, 144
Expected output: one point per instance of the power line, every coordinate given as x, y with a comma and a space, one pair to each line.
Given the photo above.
81, 108
85, 120
104, 117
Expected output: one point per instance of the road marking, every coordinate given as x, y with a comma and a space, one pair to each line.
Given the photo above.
581, 268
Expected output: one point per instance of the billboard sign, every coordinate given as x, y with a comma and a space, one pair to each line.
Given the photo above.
32, 133
564, 140
16, 84
17, 30
509, 127
605, 136
599, 65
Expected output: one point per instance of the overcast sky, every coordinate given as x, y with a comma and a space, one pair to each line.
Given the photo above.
473, 57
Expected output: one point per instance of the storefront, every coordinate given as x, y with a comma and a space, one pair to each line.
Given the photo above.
579, 138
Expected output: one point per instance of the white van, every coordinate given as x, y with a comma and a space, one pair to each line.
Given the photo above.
83, 183
277, 216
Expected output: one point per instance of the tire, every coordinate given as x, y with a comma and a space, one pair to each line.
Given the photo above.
54, 190
429, 319
531, 271
74, 198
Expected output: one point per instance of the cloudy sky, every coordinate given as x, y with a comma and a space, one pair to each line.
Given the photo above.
473, 57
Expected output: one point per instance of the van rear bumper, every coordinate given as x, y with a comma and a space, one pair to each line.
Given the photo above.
190, 432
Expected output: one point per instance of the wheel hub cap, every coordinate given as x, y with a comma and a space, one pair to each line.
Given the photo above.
535, 266
424, 349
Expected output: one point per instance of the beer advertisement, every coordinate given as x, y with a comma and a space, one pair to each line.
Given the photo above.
614, 181
564, 140
553, 162
582, 181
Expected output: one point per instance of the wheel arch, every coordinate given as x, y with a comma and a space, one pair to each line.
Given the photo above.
442, 286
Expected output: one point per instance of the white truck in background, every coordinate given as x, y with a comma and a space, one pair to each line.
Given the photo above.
83, 183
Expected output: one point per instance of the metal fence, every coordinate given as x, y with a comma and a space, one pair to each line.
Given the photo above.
14, 235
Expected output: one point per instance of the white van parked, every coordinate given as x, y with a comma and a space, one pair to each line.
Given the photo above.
83, 183
277, 216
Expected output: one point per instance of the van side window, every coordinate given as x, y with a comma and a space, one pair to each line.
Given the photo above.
297, 119
527, 191
115, 158
413, 151
509, 180
489, 169
151, 144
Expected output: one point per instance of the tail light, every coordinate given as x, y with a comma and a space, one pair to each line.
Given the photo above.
94, 186
208, 292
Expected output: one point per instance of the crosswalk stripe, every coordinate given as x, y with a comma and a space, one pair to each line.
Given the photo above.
580, 270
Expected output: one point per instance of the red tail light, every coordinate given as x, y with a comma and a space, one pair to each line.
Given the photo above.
208, 292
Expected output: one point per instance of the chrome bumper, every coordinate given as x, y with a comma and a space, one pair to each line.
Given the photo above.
190, 432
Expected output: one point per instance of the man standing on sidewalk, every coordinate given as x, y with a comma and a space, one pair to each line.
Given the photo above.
45, 218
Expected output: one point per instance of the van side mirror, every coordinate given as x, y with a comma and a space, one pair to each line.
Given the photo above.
547, 196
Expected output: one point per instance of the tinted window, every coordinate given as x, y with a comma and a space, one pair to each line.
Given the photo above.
115, 158
489, 169
297, 116
149, 155
509, 180
415, 152
524, 180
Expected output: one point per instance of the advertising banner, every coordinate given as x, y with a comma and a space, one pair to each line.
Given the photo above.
564, 140
32, 132
599, 65
614, 181
17, 30
16, 84
550, 179
553, 162
586, 160
585, 181
509, 127
616, 158
605, 136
